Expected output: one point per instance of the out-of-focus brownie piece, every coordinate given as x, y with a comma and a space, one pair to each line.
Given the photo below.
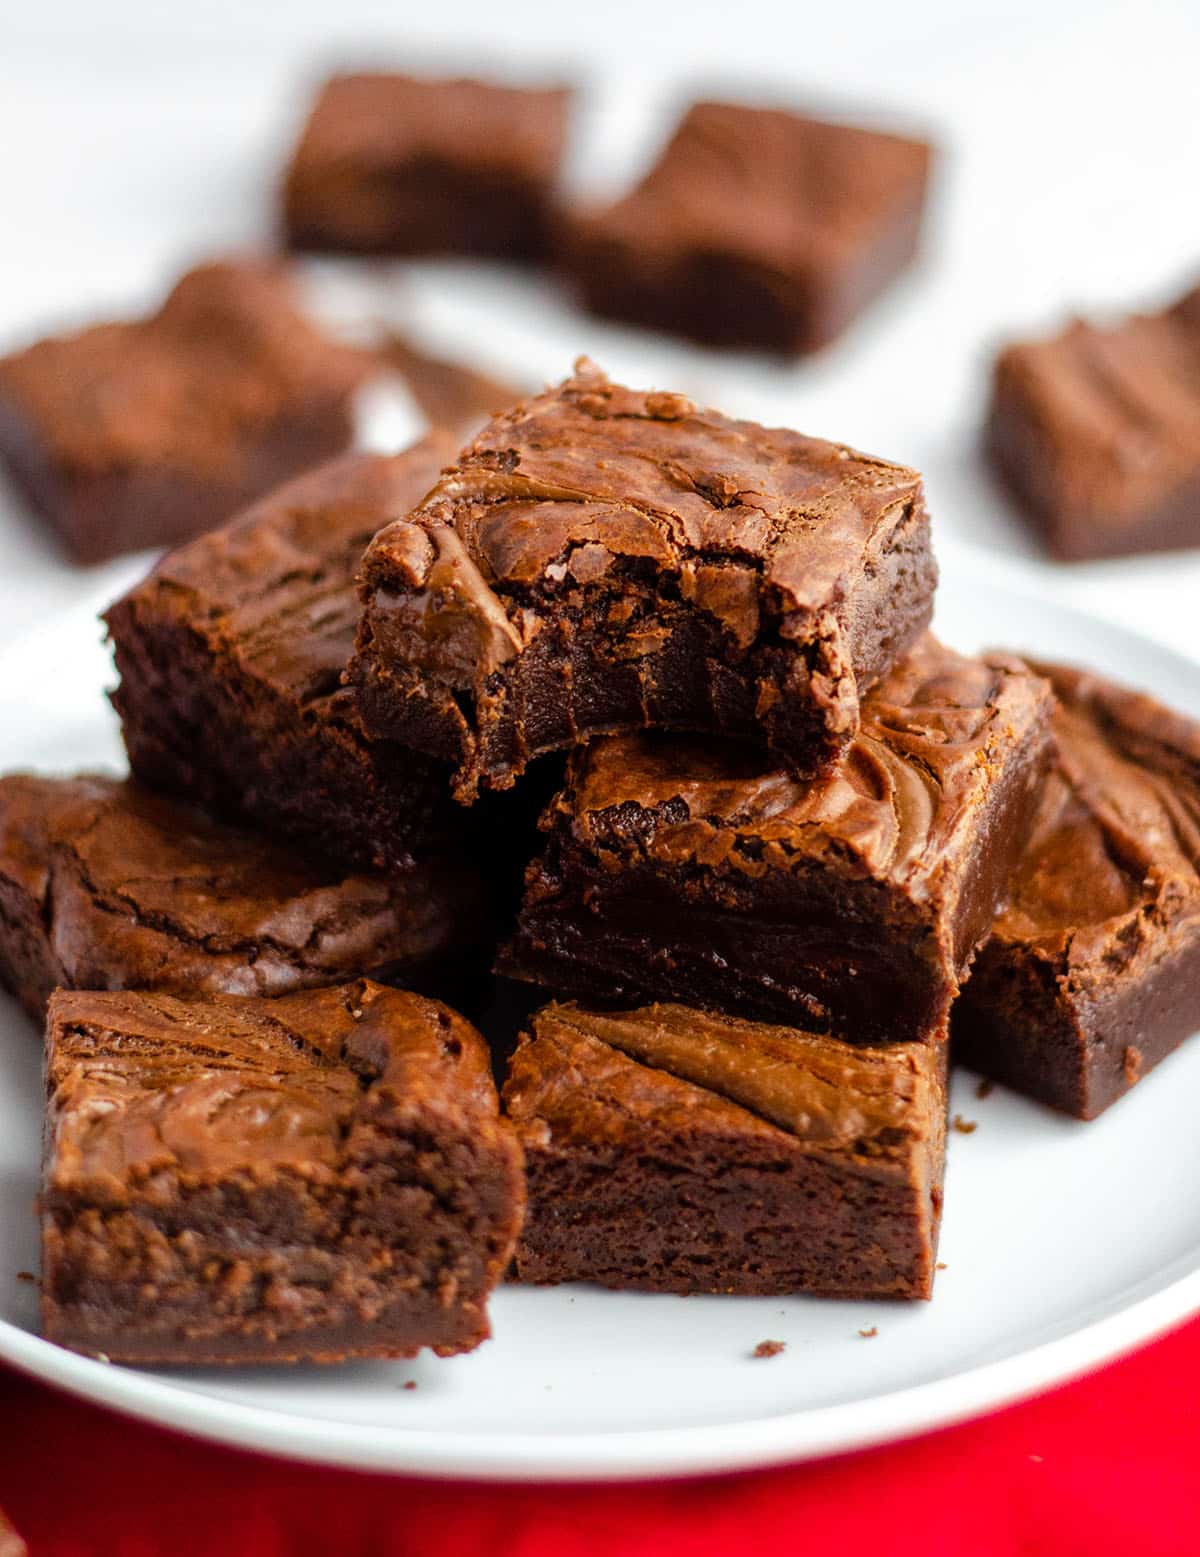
1096, 432
390, 164
602, 559
689, 870
104, 885
674, 1151
231, 1180
149, 432
757, 228
1092, 972
231, 655
451, 394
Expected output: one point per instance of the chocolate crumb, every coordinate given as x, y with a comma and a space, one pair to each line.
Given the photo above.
1131, 1064
769, 1348
985, 1088
941, 1265
869, 1334
26, 1275
409, 1384
965, 1126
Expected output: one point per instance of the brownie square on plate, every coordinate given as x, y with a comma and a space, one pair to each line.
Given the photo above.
602, 559
756, 228
690, 870
675, 1151
1092, 972
149, 432
228, 1180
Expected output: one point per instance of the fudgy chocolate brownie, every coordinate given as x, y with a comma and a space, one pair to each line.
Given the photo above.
601, 559
231, 1180
678, 1152
104, 885
756, 228
149, 432
1092, 972
231, 655
1096, 432
394, 165
689, 870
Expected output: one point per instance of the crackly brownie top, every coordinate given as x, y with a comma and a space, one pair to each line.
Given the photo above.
1112, 870
227, 355
587, 480
141, 1084
1117, 407
274, 589
586, 1077
902, 805
136, 891
371, 119
776, 185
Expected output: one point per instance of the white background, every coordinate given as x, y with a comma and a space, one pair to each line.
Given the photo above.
137, 137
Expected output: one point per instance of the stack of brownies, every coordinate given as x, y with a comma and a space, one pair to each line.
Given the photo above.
790, 822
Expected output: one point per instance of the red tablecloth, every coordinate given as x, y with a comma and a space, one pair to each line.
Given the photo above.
1107, 1465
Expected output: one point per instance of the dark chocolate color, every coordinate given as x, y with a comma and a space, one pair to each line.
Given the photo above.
601, 559
147, 433
228, 1180
1092, 973
1096, 432
104, 885
756, 228
689, 870
231, 655
389, 164
678, 1152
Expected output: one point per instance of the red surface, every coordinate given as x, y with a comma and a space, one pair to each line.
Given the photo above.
1107, 1465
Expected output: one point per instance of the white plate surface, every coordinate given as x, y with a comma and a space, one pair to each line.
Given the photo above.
1064, 1243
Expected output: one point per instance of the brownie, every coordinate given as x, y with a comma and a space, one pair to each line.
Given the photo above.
1096, 433
685, 869
104, 885
673, 1151
229, 1179
602, 559
1092, 972
390, 164
451, 394
756, 229
149, 432
231, 656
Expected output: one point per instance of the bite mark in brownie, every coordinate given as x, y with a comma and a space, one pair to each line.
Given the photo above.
602, 559
1092, 973
691, 870
316, 1177
231, 656
148, 432
104, 885
672, 1151
1096, 432
391, 164
756, 228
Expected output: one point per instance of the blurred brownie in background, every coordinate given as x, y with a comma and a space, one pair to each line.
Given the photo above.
452, 395
391, 164
757, 229
673, 1151
231, 656
1092, 972
1096, 432
148, 432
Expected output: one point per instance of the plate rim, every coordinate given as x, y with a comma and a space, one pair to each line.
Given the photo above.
638, 1453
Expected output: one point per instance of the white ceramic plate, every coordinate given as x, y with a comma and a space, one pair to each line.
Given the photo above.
1064, 1243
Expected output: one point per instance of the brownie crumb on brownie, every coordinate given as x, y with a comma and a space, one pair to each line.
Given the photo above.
603, 559
319, 1176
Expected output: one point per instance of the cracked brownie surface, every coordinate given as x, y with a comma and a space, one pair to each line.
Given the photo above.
1092, 972
317, 1176
677, 1151
602, 559
104, 885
